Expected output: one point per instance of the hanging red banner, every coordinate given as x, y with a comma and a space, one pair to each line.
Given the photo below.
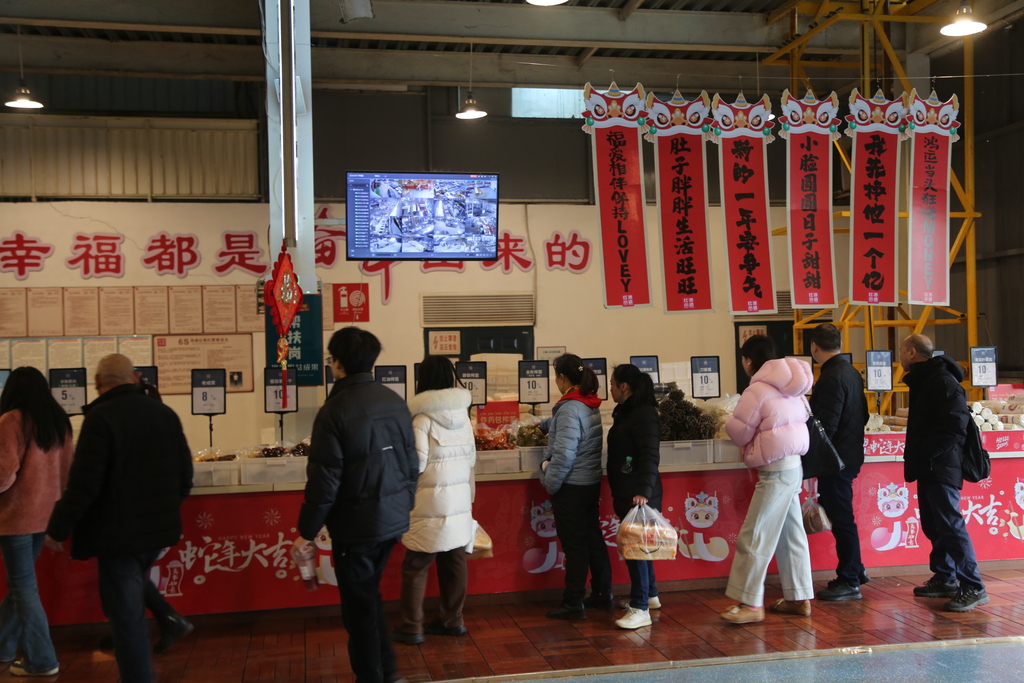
932, 131
742, 131
615, 119
809, 127
876, 126
678, 130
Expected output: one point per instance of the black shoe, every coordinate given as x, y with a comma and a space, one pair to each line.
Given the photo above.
967, 599
837, 590
407, 638
599, 601
437, 628
171, 631
564, 611
937, 588
864, 578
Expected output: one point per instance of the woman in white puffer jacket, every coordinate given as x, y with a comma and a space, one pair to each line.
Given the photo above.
441, 524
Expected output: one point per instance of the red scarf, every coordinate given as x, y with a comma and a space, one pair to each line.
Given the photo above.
591, 400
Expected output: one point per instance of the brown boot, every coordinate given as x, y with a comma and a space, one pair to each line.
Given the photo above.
801, 608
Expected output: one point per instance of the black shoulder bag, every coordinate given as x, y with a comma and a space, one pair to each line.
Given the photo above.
821, 459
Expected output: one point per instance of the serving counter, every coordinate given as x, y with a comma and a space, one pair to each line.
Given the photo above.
234, 553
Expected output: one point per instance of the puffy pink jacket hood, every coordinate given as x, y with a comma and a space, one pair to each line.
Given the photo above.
770, 420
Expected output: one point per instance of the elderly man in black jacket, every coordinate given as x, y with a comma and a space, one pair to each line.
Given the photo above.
936, 431
362, 476
838, 402
131, 471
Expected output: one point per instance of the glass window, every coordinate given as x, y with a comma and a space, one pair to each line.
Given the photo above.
547, 103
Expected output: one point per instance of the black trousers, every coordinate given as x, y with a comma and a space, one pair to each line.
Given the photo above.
836, 496
952, 555
577, 521
358, 569
122, 584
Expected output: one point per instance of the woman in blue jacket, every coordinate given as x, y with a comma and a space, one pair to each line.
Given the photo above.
572, 475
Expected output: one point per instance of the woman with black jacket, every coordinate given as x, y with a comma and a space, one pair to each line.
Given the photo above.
634, 451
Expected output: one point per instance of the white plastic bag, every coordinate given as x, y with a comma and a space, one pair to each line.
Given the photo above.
815, 519
645, 535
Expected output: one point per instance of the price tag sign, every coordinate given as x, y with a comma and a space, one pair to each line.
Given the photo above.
68, 386
983, 366
648, 365
848, 357
533, 381
147, 375
209, 391
274, 393
600, 368
473, 376
705, 377
938, 352
391, 376
879, 371
4, 374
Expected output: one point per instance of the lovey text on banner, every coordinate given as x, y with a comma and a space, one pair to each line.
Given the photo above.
876, 126
678, 130
615, 118
809, 127
932, 129
743, 131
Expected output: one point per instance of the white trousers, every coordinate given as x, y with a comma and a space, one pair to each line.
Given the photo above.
774, 526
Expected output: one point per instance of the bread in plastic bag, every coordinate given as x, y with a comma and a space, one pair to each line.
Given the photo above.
645, 534
815, 519
481, 546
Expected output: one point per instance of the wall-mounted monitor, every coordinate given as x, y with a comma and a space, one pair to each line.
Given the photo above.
422, 216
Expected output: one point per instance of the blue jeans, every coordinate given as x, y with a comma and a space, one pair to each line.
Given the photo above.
641, 575
122, 583
22, 619
952, 557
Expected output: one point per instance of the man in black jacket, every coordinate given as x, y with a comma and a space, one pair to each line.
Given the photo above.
362, 476
936, 430
838, 402
131, 471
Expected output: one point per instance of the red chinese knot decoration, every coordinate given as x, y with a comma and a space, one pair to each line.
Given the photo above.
283, 296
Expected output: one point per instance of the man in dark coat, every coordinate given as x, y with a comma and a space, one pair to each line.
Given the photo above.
362, 476
131, 471
838, 402
936, 432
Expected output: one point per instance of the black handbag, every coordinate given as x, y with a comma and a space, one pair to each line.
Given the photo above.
821, 459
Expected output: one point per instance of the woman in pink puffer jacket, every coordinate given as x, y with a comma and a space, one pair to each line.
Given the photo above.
770, 425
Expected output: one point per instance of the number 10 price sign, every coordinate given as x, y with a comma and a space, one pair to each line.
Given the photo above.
473, 375
534, 376
983, 366
705, 377
879, 370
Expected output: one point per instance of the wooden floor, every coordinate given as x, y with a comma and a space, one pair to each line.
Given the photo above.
304, 645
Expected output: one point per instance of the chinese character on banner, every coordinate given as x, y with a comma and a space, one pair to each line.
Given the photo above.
97, 255
442, 266
876, 126
383, 268
242, 251
743, 131
809, 127
932, 132
172, 254
678, 130
327, 232
511, 250
21, 254
615, 119
572, 254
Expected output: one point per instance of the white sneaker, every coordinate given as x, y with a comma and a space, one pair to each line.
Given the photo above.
652, 603
634, 619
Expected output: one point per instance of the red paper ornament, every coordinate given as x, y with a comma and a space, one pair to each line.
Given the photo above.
284, 297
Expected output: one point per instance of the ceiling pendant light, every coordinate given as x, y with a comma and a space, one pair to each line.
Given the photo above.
22, 96
470, 108
963, 23
546, 3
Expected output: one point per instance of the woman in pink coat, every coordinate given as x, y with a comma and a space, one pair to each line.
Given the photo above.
770, 425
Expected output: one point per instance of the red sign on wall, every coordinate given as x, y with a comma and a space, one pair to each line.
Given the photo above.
876, 127
351, 302
678, 129
614, 119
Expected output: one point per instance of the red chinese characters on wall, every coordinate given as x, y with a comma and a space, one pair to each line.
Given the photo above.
326, 233
678, 129
809, 127
742, 131
382, 268
876, 126
932, 129
442, 266
512, 253
21, 254
97, 255
172, 254
614, 118
241, 251
572, 254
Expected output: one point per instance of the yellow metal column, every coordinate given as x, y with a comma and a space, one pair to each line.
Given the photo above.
971, 242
